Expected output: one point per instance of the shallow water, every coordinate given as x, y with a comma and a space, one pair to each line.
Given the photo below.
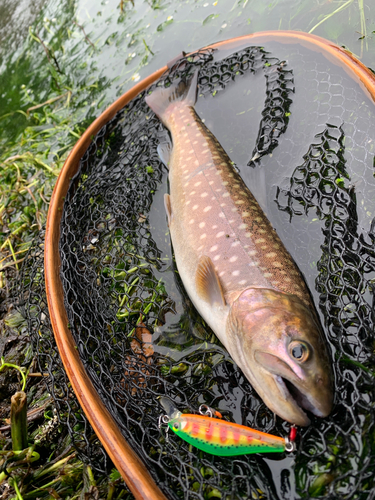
97, 44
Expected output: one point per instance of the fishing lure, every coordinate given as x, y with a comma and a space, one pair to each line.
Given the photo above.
219, 437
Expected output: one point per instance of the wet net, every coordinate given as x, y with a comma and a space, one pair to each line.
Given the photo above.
138, 334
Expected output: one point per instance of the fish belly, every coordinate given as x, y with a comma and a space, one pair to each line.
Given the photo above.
214, 214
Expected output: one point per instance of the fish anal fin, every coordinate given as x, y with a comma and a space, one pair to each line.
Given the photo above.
168, 207
208, 283
164, 152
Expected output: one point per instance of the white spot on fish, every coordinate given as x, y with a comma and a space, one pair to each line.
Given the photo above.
207, 209
195, 207
225, 183
202, 236
218, 172
235, 244
217, 257
191, 221
203, 195
210, 183
222, 273
235, 273
268, 275
239, 202
191, 151
214, 248
221, 215
188, 202
220, 234
252, 253
277, 264
234, 209
260, 240
225, 195
202, 224
196, 162
248, 235
245, 214
223, 204
233, 259
242, 226
242, 282
271, 254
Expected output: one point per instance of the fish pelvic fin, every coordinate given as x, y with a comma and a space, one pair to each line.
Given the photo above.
168, 207
208, 283
161, 100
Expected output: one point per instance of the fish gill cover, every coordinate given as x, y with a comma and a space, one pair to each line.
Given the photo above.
121, 285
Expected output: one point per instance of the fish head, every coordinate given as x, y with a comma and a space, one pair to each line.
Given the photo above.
280, 348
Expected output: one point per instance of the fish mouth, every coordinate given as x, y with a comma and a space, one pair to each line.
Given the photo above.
293, 393
298, 400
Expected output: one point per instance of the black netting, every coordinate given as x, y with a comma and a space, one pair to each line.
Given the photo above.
136, 330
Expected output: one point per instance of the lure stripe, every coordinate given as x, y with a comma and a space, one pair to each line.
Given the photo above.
223, 438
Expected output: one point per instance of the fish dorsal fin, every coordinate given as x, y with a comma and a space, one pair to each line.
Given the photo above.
208, 282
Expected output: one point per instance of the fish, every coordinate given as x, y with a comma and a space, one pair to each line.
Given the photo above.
235, 268
219, 437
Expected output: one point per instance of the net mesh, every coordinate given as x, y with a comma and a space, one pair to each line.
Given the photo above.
139, 336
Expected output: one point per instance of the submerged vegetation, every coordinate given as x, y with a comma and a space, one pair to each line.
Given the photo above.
74, 61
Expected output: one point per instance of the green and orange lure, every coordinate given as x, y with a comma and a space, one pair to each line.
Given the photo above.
219, 437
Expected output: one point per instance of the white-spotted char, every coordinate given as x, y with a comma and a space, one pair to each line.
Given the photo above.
235, 268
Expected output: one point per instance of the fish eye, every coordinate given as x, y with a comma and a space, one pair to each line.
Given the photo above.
176, 425
300, 351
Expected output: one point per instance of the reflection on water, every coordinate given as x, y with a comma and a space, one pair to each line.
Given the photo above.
15, 18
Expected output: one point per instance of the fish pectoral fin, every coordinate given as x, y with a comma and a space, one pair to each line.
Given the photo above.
168, 207
164, 152
208, 283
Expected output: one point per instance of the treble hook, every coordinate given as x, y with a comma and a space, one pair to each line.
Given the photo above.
164, 419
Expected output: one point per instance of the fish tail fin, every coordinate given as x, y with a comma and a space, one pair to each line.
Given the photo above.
162, 100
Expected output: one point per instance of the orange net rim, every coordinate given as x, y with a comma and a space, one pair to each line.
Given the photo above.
131, 468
